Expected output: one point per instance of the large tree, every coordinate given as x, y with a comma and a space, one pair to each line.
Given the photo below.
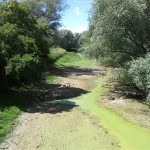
23, 45
120, 29
49, 12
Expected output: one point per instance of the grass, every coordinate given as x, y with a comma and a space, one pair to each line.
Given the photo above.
130, 136
52, 78
74, 60
11, 105
7, 117
21, 98
134, 111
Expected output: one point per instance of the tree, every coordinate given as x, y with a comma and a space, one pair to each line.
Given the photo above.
23, 45
76, 41
67, 40
140, 71
120, 29
49, 12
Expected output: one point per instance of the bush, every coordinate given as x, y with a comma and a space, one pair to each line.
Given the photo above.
23, 44
25, 68
140, 71
56, 53
124, 77
108, 62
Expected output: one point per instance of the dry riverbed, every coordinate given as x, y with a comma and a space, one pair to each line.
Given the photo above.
79, 118
61, 126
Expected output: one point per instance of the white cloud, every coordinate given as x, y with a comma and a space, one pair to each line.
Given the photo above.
77, 29
77, 10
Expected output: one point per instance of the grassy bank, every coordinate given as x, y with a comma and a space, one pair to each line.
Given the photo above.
74, 60
7, 117
11, 106
20, 98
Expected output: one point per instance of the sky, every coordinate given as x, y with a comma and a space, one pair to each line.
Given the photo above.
75, 17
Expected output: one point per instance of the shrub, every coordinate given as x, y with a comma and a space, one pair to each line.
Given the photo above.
140, 71
124, 77
56, 53
23, 44
108, 61
25, 68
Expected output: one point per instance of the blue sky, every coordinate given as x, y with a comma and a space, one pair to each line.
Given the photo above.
75, 17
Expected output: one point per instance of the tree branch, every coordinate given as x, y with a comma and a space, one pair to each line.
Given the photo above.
129, 53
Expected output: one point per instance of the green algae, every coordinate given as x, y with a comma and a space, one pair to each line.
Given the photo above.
130, 136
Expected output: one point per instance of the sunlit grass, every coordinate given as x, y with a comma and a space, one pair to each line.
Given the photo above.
7, 117
75, 60
11, 105
52, 78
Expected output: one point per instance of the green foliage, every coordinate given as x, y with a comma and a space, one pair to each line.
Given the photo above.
24, 33
118, 33
140, 71
7, 117
124, 78
47, 11
119, 28
108, 61
67, 40
25, 68
56, 53
23, 44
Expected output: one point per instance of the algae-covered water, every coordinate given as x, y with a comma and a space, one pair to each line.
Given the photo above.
130, 136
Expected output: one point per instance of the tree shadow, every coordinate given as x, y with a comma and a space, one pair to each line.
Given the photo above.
42, 98
77, 71
128, 92
53, 98
51, 92
53, 108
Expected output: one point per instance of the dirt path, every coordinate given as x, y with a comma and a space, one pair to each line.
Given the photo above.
62, 126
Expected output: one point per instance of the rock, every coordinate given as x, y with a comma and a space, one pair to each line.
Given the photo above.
4, 145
